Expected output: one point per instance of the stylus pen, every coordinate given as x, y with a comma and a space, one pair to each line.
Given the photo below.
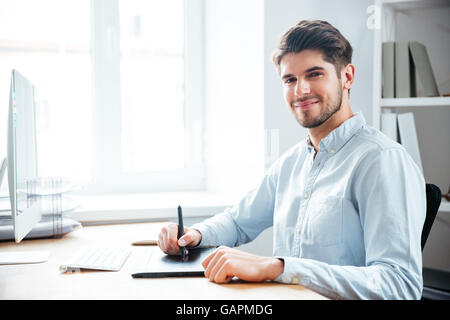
181, 231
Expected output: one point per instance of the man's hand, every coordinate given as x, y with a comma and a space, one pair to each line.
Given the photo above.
168, 242
225, 263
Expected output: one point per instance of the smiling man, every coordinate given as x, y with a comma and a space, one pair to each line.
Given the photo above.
347, 204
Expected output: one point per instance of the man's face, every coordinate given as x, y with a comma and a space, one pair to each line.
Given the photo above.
311, 87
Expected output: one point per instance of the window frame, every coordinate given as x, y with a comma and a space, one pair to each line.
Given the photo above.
105, 43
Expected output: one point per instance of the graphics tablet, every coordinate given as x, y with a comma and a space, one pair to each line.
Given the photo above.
157, 264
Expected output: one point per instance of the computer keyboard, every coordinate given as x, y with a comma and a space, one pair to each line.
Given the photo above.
95, 258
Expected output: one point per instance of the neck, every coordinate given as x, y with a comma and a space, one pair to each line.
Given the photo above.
317, 134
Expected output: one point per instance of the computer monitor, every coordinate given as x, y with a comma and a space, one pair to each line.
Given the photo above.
22, 155
25, 187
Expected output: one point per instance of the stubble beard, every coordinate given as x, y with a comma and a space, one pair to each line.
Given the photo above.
307, 121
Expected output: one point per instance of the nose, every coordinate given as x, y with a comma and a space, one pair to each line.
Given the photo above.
302, 88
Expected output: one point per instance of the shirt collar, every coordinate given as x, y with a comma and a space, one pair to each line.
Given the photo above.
339, 136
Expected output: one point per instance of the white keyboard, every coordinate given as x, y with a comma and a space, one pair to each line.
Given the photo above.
109, 259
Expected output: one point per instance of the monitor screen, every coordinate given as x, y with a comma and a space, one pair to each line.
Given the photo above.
21, 155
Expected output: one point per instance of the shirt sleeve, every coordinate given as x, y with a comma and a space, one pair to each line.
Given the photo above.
244, 221
391, 200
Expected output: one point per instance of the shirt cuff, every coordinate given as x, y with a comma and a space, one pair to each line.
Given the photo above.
208, 240
294, 272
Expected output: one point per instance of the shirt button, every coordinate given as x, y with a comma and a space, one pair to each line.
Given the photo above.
332, 151
306, 195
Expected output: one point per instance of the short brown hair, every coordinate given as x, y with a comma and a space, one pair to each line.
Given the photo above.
315, 34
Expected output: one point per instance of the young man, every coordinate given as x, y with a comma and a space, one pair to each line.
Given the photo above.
347, 204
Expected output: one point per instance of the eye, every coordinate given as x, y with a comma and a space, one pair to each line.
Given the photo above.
315, 74
289, 81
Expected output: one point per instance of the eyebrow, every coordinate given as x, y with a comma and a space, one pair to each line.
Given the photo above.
315, 68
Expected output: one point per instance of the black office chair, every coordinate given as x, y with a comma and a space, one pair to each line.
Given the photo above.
434, 197
435, 282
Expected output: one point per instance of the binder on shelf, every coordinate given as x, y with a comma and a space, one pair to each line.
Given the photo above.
405, 84
389, 125
424, 71
408, 136
388, 70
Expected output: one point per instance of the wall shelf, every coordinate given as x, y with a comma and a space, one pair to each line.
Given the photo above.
416, 102
392, 28
404, 5
424, 21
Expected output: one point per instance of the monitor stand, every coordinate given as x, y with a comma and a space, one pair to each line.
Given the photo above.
20, 257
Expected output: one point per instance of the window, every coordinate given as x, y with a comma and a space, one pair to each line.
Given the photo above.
123, 80
152, 84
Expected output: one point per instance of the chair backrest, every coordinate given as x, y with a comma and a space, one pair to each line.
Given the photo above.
434, 196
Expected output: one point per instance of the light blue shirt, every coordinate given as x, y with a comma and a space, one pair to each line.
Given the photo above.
347, 222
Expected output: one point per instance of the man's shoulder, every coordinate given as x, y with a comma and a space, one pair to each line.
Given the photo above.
370, 139
370, 145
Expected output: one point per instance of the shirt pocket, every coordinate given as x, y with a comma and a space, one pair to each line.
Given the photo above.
324, 222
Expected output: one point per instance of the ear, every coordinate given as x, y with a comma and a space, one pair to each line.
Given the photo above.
348, 75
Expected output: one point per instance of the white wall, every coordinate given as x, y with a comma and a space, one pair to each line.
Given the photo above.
234, 95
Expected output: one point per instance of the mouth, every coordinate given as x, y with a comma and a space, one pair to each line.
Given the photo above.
304, 105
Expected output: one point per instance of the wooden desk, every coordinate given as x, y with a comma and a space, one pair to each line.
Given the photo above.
44, 281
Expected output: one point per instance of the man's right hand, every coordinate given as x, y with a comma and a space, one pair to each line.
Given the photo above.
168, 242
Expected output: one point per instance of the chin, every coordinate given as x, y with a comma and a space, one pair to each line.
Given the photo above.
305, 118
309, 122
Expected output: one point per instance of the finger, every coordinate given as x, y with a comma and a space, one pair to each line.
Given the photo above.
172, 239
187, 239
215, 266
166, 240
172, 233
212, 260
161, 242
225, 272
184, 240
226, 268
207, 260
